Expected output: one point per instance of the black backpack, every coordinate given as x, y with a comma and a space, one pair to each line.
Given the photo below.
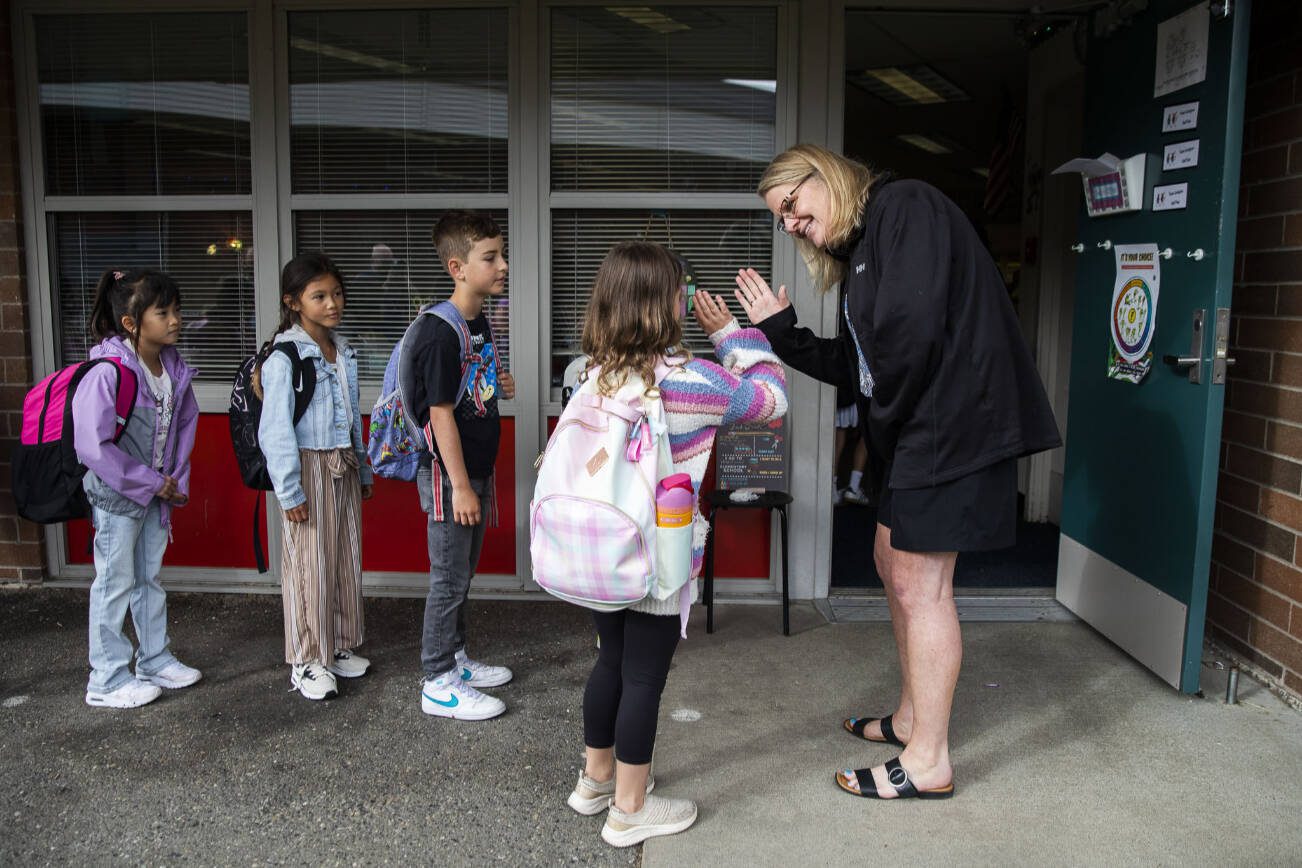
244, 415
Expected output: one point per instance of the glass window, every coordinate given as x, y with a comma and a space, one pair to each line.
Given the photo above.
144, 104
716, 243
391, 269
398, 101
209, 254
660, 98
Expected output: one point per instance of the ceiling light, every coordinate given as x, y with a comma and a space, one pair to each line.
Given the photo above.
347, 54
925, 143
911, 85
649, 18
766, 85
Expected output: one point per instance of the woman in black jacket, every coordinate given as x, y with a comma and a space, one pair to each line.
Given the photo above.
949, 399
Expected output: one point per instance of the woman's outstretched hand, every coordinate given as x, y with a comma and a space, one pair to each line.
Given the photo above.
757, 299
710, 313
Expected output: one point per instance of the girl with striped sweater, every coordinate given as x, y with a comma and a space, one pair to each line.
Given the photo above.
633, 320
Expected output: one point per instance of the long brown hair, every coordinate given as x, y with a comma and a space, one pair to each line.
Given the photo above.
847, 182
632, 317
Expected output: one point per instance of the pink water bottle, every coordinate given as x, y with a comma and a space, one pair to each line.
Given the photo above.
674, 501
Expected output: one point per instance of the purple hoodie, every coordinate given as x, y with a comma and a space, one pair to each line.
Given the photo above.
122, 478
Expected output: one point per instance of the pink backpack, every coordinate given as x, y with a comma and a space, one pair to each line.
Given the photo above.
592, 523
46, 473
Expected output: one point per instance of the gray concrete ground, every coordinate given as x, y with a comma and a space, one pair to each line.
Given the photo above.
1065, 751
1076, 756
236, 770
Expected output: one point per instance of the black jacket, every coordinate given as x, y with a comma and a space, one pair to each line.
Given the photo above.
955, 387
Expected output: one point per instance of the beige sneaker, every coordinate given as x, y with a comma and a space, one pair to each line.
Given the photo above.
659, 816
592, 797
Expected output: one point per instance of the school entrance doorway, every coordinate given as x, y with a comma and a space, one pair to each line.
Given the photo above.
1144, 104
958, 99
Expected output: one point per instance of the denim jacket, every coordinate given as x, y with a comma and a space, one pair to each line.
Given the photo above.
331, 422
120, 477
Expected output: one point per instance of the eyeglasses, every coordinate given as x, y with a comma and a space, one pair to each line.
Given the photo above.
788, 204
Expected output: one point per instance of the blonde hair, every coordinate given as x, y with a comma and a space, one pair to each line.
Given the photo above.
632, 316
847, 182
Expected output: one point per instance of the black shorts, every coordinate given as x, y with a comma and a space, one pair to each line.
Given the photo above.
973, 513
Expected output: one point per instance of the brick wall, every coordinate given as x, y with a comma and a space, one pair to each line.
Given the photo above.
1255, 606
21, 546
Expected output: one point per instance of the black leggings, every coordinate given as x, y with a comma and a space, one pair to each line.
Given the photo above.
622, 699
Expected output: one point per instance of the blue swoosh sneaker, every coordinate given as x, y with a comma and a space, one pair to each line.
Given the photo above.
448, 695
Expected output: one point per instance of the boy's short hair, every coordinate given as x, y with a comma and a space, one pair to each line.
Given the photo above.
458, 231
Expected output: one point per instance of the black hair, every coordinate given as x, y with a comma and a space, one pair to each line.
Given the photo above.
295, 277
129, 292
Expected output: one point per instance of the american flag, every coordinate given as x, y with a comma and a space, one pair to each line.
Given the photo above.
1001, 181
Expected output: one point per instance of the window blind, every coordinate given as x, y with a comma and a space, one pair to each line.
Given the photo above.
144, 104
390, 269
398, 101
209, 254
662, 98
717, 243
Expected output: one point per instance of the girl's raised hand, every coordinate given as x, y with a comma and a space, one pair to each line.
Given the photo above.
711, 313
757, 299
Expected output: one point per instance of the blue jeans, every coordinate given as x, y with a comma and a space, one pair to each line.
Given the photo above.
453, 553
128, 556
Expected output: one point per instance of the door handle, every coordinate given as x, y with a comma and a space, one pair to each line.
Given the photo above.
1193, 361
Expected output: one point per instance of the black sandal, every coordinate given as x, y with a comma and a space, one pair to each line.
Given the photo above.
857, 725
899, 779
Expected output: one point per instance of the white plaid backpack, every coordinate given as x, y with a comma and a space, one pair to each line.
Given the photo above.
592, 522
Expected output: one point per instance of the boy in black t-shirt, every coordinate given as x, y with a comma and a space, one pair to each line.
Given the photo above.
456, 479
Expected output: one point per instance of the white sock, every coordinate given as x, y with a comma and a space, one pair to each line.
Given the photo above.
856, 477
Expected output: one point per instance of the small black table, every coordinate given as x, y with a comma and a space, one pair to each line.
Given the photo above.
719, 499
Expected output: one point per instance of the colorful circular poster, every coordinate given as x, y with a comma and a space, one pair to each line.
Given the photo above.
1132, 319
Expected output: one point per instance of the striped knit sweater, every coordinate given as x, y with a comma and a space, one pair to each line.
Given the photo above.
750, 386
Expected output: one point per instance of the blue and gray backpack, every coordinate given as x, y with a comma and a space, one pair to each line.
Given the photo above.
396, 441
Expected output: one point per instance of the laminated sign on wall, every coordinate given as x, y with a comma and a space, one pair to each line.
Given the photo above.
1132, 317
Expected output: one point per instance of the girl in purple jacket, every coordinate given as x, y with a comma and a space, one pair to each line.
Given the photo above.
133, 484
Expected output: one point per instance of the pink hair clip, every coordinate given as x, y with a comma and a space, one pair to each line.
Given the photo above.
117, 275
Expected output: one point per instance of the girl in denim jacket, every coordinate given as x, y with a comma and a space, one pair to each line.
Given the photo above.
133, 484
319, 471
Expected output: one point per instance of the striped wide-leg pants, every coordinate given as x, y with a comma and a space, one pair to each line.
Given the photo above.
321, 561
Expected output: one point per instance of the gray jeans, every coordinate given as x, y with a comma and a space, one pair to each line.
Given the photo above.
453, 553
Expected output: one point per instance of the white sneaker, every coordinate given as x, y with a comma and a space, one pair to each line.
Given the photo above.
479, 674
856, 497
133, 694
659, 816
449, 696
313, 681
173, 676
592, 797
349, 665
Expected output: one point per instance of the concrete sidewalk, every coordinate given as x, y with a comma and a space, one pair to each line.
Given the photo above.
1065, 752
1077, 756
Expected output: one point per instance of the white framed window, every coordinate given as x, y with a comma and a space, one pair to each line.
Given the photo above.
395, 116
144, 161
661, 120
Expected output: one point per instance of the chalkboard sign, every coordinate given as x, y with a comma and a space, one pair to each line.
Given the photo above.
752, 456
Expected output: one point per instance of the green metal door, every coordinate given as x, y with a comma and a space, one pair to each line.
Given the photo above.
1139, 488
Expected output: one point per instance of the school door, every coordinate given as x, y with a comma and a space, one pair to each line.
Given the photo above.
1139, 490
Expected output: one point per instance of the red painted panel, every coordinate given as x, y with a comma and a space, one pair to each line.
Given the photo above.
393, 526
741, 536
216, 528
